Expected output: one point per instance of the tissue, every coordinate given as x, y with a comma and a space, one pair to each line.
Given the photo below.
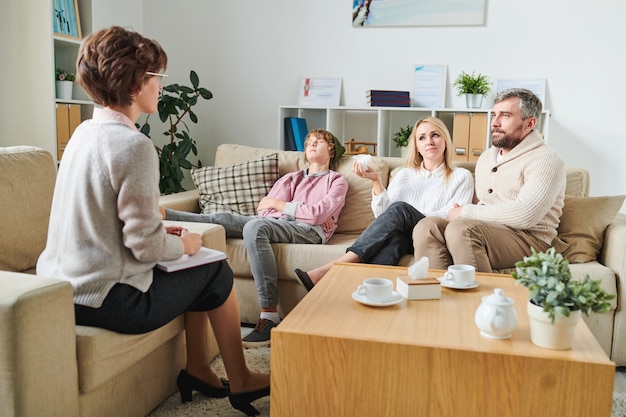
417, 285
419, 269
363, 159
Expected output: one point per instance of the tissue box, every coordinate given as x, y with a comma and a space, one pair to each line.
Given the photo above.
418, 289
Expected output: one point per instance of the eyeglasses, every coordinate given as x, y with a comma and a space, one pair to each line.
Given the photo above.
162, 77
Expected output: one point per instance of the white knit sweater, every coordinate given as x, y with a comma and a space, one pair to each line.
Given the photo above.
105, 226
427, 191
524, 190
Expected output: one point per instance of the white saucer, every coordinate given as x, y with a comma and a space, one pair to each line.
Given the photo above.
451, 284
395, 299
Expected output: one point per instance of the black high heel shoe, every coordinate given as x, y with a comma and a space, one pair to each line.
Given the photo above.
188, 383
242, 400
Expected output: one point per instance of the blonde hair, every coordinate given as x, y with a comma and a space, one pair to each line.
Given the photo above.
414, 159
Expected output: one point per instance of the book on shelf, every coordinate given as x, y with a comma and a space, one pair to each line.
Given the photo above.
300, 130
204, 256
289, 138
389, 103
387, 94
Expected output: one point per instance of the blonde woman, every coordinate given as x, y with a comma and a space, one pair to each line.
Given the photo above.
428, 186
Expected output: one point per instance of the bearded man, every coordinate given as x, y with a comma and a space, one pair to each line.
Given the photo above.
520, 186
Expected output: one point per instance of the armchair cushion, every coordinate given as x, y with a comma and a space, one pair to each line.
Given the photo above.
27, 176
583, 223
238, 188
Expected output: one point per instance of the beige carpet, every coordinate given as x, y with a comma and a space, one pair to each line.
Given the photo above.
258, 360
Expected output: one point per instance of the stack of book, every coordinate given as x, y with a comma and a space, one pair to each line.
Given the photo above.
388, 98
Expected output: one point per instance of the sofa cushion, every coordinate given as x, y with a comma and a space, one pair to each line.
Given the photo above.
27, 176
357, 213
583, 223
229, 154
103, 354
238, 188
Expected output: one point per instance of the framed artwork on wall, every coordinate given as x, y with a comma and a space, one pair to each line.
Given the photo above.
65, 19
418, 13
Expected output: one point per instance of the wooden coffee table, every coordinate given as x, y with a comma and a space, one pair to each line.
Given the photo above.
332, 356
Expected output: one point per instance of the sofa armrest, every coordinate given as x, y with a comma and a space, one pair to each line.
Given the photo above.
38, 370
183, 201
613, 254
213, 235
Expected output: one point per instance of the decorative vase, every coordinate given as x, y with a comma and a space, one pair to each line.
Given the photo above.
404, 151
64, 89
473, 101
558, 335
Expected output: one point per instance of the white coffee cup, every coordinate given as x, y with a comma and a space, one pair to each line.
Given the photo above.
376, 289
461, 275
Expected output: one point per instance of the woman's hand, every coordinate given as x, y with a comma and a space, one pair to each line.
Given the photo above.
374, 176
174, 230
357, 168
191, 241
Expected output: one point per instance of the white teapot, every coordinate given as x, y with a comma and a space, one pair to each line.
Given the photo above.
496, 316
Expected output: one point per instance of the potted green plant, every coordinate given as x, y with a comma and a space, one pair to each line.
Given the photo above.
555, 301
401, 138
474, 87
175, 105
64, 83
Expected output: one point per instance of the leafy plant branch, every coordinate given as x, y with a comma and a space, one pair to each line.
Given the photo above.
174, 108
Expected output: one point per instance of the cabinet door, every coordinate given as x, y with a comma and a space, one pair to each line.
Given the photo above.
460, 137
68, 119
477, 136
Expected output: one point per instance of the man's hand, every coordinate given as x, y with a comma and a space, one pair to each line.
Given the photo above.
454, 213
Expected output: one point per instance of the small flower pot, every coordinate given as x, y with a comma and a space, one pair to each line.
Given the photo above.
473, 101
64, 89
558, 335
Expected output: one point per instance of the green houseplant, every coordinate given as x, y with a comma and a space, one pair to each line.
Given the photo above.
62, 75
175, 105
64, 83
474, 86
401, 137
554, 294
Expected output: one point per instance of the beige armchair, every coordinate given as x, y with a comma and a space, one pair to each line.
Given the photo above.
48, 365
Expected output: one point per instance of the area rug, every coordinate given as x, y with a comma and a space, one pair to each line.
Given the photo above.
258, 359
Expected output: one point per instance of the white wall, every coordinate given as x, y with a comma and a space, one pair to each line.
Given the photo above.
251, 54
26, 74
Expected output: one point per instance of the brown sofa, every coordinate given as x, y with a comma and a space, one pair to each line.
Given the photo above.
609, 328
48, 365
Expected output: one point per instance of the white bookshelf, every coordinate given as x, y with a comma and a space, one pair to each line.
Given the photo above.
378, 124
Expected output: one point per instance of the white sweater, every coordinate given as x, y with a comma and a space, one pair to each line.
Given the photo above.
105, 226
427, 191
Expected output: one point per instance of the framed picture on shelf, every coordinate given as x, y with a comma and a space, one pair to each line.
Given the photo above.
65, 19
319, 91
429, 86
536, 85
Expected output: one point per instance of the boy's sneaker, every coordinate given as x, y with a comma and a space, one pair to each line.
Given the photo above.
260, 336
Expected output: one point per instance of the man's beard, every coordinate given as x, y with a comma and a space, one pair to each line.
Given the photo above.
505, 141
